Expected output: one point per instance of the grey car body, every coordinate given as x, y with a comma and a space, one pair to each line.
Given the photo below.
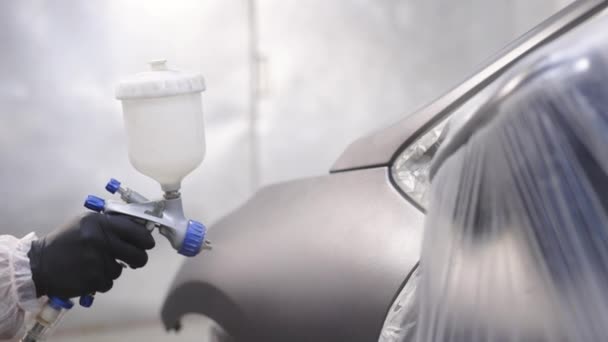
323, 259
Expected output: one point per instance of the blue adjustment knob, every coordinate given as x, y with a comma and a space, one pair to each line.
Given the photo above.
113, 186
95, 203
86, 301
194, 239
60, 304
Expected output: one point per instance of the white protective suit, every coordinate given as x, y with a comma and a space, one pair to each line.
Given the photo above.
17, 289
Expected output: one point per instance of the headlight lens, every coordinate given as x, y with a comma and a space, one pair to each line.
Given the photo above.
411, 169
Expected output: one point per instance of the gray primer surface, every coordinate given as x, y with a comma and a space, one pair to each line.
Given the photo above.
317, 259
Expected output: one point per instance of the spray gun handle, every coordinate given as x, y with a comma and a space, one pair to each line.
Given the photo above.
96, 204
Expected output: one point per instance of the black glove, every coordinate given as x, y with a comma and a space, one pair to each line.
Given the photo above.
81, 257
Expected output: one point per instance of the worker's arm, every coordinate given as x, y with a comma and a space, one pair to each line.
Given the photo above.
17, 289
77, 259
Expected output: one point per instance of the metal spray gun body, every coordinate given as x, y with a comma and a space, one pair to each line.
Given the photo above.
185, 235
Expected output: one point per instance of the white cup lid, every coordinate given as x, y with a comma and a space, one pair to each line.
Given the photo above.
159, 82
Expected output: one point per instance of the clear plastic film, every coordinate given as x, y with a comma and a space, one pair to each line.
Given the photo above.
401, 319
516, 240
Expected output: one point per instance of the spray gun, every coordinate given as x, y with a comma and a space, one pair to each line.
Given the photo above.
186, 236
164, 122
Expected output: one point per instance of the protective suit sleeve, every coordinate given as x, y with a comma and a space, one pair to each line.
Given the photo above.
17, 289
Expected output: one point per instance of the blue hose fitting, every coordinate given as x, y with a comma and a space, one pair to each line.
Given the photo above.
95, 203
113, 186
60, 304
86, 301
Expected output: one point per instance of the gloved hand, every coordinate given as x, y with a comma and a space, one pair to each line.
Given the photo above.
81, 257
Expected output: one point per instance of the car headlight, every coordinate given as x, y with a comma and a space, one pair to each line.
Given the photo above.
411, 169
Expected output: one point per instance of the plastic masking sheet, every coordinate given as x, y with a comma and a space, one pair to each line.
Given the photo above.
516, 241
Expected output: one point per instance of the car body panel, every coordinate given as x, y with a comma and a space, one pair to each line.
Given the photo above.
321, 258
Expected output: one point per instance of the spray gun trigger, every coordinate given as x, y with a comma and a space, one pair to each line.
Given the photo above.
150, 226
